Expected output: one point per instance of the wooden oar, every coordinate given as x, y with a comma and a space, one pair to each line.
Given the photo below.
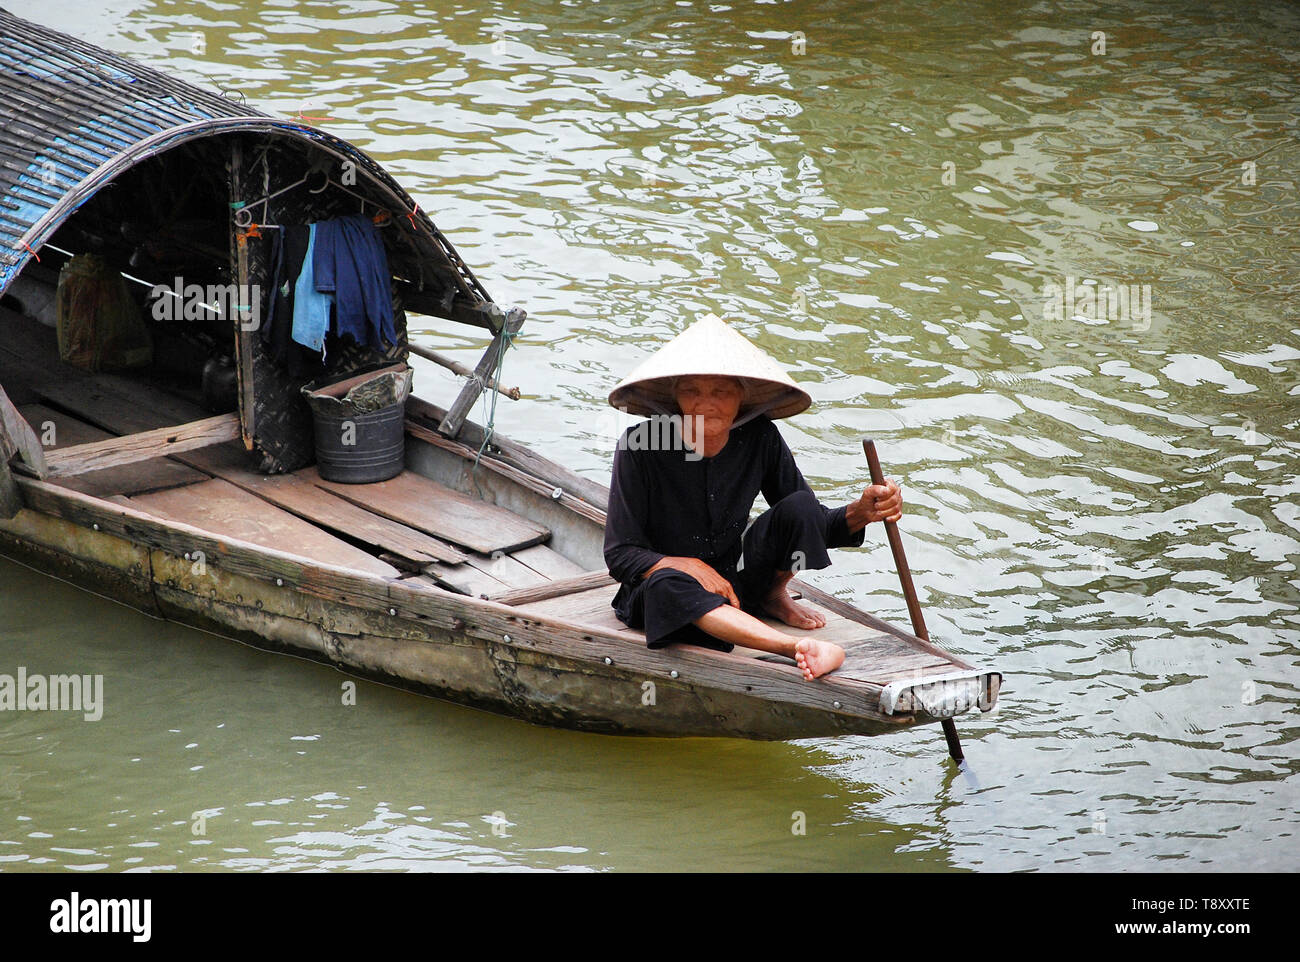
909, 590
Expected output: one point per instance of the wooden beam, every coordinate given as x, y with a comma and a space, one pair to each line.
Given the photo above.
456, 414
554, 589
422, 503
130, 448
20, 438
482, 314
457, 368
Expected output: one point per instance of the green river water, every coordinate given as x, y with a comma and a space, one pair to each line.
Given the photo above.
1106, 506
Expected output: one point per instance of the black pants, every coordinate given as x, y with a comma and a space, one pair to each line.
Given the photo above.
789, 535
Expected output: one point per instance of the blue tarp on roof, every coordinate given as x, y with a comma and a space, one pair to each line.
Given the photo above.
73, 117
66, 108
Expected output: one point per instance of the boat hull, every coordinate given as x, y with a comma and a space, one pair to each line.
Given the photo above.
413, 652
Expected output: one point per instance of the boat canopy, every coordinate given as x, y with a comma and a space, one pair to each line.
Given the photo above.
168, 181
74, 118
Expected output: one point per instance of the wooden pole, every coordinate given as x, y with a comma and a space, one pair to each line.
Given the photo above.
909, 590
457, 368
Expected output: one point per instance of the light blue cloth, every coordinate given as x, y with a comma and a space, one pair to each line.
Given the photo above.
311, 308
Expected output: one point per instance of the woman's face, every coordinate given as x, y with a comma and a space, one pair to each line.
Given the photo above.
716, 399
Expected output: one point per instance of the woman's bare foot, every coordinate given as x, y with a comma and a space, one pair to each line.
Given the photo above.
816, 658
782, 607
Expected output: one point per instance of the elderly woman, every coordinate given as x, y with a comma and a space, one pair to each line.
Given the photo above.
681, 496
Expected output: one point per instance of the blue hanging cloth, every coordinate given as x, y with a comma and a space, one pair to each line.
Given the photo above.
349, 262
311, 307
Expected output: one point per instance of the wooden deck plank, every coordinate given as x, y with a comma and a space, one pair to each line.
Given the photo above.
301, 497
151, 475
917, 671
224, 509
507, 570
79, 459
548, 562
421, 503
575, 604
838, 629
464, 579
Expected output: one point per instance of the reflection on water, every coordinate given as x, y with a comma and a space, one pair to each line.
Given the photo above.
1104, 505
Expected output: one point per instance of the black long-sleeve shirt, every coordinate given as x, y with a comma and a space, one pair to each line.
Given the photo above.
662, 502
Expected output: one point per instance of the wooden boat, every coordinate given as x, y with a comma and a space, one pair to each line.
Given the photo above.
475, 575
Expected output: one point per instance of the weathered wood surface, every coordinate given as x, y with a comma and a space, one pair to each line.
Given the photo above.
69, 461
110, 565
418, 502
62, 430
299, 495
239, 267
507, 570
587, 607
465, 579
540, 663
486, 576
842, 607
120, 404
11, 498
547, 561
224, 509
17, 437
870, 655
523, 458
457, 368
556, 589
520, 477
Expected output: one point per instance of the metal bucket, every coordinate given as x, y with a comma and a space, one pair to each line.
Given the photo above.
356, 446
361, 448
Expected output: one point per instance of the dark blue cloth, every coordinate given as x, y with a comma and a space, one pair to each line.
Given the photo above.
663, 503
348, 261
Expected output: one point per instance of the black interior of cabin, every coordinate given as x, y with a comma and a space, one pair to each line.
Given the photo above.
168, 225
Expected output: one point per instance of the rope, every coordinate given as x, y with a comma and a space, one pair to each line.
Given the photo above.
489, 425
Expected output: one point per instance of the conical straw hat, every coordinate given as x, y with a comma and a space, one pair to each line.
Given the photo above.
710, 347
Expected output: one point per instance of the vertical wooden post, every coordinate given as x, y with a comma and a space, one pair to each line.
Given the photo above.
239, 270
